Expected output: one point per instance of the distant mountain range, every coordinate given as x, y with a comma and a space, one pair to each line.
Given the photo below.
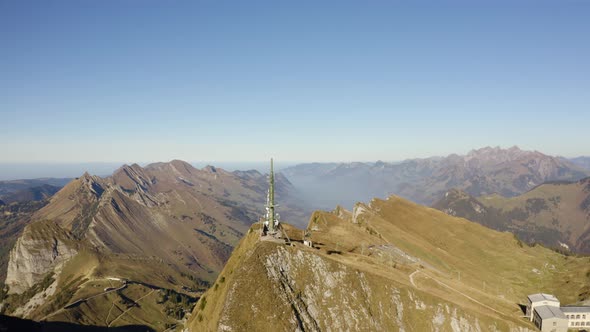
167, 227
556, 214
30, 189
508, 172
581, 161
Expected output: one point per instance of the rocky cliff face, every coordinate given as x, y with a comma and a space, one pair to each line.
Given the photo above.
298, 290
41, 249
327, 296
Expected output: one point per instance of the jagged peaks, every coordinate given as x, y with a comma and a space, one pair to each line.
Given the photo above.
342, 213
176, 165
213, 171
182, 166
488, 150
90, 184
210, 169
130, 177
250, 174
133, 168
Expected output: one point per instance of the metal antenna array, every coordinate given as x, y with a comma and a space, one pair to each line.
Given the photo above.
271, 218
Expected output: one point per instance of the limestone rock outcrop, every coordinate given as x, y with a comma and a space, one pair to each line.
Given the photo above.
41, 249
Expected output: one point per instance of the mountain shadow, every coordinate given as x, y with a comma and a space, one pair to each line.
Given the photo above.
10, 324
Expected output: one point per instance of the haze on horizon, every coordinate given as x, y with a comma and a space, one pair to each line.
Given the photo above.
337, 81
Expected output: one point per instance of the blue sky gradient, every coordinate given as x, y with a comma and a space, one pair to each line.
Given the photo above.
141, 81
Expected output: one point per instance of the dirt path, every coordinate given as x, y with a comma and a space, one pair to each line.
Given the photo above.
454, 290
77, 302
124, 312
73, 304
106, 321
412, 278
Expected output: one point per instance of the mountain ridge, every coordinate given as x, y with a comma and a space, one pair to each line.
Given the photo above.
555, 214
481, 171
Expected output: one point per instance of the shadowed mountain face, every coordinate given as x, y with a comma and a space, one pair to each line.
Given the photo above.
554, 214
168, 225
389, 265
508, 172
39, 193
31, 189
9, 324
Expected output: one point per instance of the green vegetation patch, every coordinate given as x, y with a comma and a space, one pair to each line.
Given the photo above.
176, 305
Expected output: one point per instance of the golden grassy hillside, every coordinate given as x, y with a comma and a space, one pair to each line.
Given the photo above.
388, 265
553, 214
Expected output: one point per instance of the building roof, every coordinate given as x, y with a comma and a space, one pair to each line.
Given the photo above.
575, 309
547, 311
542, 297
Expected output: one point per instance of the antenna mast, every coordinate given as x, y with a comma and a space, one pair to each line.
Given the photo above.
271, 200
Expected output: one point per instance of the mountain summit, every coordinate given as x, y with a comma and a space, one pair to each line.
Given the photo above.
167, 226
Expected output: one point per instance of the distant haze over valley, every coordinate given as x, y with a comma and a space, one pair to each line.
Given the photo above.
508, 172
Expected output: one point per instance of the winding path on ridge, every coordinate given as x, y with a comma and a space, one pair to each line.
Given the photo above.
411, 276
135, 302
78, 302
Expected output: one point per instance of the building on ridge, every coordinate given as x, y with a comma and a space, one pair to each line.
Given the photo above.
578, 316
539, 299
545, 312
548, 318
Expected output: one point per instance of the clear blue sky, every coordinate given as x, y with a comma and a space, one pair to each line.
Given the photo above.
139, 81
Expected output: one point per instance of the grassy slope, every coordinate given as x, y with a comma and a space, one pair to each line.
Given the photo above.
454, 244
87, 274
558, 207
495, 269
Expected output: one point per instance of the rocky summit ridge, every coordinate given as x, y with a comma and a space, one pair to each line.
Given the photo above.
389, 265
